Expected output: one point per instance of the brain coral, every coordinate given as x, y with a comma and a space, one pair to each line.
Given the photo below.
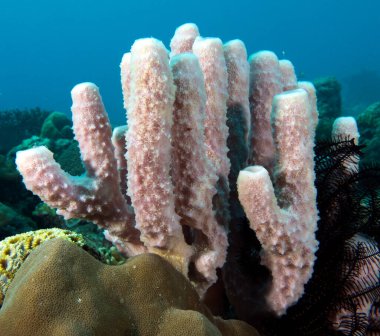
15, 249
62, 290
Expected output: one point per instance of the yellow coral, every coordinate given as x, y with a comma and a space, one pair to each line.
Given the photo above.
15, 249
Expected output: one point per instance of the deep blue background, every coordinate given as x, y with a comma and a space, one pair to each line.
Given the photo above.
48, 46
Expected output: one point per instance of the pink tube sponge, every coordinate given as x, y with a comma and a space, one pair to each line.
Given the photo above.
172, 160
183, 39
95, 196
193, 175
284, 215
148, 144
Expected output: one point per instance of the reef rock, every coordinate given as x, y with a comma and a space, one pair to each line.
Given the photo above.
329, 103
62, 290
57, 126
369, 128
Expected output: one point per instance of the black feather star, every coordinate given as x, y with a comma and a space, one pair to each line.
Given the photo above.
342, 298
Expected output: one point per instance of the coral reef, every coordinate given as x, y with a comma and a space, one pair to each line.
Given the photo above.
11, 221
215, 173
56, 126
369, 127
329, 105
179, 188
15, 249
79, 296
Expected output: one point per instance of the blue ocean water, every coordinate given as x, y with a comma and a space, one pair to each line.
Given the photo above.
49, 46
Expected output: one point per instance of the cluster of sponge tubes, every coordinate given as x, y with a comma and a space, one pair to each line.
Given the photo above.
161, 183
